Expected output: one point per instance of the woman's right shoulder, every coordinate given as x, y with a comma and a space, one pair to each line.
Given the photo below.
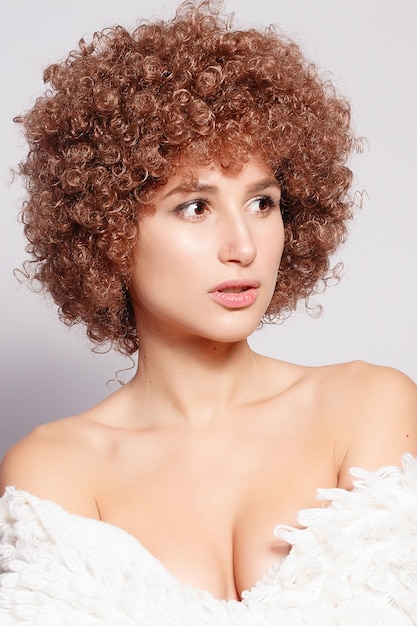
53, 462
36, 449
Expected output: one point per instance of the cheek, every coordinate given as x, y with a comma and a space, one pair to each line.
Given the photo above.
187, 247
162, 254
273, 246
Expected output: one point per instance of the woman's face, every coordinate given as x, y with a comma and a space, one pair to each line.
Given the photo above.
207, 258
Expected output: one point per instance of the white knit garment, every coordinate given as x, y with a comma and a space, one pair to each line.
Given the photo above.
353, 563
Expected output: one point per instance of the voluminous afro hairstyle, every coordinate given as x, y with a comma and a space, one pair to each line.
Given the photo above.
120, 113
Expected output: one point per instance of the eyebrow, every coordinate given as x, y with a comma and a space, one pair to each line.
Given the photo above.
201, 187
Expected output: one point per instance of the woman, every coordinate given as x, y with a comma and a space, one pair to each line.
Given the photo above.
187, 181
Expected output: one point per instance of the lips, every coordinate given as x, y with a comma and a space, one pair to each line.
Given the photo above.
235, 294
235, 286
235, 289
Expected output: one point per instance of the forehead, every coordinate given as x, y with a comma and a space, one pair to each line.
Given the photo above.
192, 176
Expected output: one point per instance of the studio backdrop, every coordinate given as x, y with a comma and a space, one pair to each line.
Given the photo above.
369, 48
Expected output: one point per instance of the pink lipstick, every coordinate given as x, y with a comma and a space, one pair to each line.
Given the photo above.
235, 294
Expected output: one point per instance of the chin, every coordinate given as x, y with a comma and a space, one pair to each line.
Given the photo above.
234, 334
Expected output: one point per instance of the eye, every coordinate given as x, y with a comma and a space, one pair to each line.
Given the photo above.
192, 210
263, 205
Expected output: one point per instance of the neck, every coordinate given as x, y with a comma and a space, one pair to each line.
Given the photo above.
192, 380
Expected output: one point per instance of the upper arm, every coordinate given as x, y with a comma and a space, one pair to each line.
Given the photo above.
382, 420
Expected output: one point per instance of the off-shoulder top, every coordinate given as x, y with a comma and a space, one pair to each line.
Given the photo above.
353, 563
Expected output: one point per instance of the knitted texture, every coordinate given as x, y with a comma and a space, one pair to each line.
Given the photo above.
354, 563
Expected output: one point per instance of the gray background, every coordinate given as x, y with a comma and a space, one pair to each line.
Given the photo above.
370, 47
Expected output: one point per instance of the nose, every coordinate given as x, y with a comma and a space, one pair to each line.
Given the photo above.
237, 244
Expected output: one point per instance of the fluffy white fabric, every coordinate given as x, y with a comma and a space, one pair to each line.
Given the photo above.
353, 564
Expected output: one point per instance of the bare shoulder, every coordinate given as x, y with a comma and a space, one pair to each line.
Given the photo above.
65, 460
53, 462
370, 383
378, 406
380, 393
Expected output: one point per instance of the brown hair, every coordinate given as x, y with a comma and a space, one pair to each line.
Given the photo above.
121, 111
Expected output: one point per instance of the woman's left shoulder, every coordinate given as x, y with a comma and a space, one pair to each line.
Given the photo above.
376, 386
378, 410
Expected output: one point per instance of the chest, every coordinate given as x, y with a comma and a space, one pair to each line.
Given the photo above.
206, 504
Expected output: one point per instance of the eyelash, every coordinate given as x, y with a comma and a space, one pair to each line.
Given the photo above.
271, 203
181, 208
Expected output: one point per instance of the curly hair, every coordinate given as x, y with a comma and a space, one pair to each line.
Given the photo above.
122, 111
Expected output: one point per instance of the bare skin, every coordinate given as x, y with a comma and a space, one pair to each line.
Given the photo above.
203, 493
211, 445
